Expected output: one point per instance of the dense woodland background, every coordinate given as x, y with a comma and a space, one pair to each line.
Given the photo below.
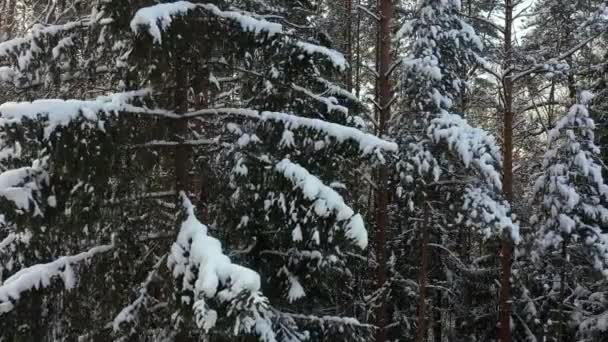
303, 170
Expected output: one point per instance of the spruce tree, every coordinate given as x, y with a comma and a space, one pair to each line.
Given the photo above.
449, 177
207, 105
571, 244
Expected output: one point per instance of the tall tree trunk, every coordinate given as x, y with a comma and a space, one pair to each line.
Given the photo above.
348, 35
358, 66
437, 317
423, 278
562, 294
505, 255
385, 93
181, 128
181, 156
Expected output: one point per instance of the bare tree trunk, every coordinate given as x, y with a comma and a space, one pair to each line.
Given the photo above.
385, 93
423, 278
505, 279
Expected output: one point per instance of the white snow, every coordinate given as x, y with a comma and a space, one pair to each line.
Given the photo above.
326, 200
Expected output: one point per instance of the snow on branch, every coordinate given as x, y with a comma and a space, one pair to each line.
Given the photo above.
61, 112
40, 276
334, 56
7, 244
473, 145
333, 89
330, 102
326, 200
198, 260
158, 17
38, 31
368, 143
18, 185
327, 320
129, 313
494, 214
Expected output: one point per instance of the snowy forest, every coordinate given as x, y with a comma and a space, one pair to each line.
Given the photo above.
303, 170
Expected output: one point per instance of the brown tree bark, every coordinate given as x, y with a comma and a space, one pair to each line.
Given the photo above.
348, 36
423, 278
505, 255
358, 65
563, 317
385, 94
180, 128
181, 152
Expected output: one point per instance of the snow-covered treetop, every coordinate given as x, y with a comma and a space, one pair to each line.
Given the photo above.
441, 43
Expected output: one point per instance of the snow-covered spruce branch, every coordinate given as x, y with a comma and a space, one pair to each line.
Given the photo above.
368, 143
473, 145
7, 244
494, 214
333, 320
130, 313
18, 185
326, 200
59, 112
200, 265
38, 31
333, 89
157, 18
330, 102
41, 275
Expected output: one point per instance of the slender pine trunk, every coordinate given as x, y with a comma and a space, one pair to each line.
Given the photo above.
385, 93
505, 255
